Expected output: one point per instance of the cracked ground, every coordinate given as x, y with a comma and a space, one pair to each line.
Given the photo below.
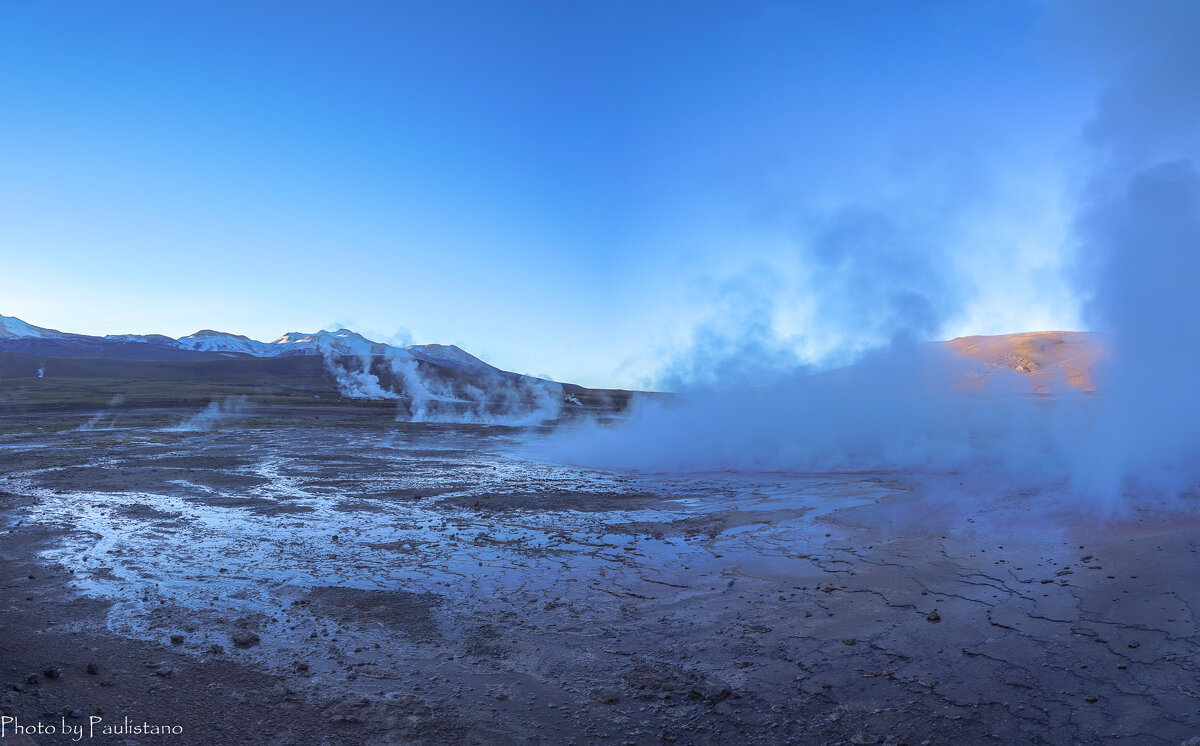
443, 584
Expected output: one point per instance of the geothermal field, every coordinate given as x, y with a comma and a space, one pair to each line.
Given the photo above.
291, 565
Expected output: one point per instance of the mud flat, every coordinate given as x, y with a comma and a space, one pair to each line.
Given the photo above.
441, 584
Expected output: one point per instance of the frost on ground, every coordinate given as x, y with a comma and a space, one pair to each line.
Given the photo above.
435, 583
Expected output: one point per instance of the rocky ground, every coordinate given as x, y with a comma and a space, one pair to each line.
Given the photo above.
443, 584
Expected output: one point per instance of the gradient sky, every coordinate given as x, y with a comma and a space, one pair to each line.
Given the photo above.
559, 188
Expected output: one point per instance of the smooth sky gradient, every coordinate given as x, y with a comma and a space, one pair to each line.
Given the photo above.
559, 188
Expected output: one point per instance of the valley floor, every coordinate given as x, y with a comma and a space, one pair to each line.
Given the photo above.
442, 584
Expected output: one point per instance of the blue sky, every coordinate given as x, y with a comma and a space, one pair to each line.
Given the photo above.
565, 189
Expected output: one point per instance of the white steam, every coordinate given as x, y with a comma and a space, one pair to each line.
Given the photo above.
483, 396
357, 382
213, 416
747, 404
95, 421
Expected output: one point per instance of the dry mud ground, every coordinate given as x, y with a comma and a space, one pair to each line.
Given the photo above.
440, 584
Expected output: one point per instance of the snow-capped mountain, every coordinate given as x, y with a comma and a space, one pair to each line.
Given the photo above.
207, 340
157, 339
452, 356
13, 328
338, 343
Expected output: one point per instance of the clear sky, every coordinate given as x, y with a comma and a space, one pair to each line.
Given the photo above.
562, 188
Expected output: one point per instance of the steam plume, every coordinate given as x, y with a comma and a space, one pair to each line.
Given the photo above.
747, 404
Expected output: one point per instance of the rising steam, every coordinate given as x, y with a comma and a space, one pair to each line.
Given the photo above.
213, 417
485, 396
95, 422
747, 403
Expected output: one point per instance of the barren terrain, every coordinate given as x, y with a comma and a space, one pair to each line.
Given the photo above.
350, 579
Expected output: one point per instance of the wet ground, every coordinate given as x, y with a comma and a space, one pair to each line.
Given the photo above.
443, 584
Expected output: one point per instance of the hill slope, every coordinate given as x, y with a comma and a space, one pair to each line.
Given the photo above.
1053, 361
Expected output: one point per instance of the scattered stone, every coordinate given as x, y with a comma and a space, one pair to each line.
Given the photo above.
711, 690
933, 616
216, 649
1090, 698
52, 672
849, 641
76, 714
33, 678
927, 683
604, 696
93, 669
176, 639
1135, 644
862, 737
164, 672
245, 639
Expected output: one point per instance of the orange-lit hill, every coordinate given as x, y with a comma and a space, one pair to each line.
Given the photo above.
1051, 360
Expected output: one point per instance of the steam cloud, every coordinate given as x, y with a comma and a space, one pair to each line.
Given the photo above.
746, 403
213, 416
95, 420
487, 397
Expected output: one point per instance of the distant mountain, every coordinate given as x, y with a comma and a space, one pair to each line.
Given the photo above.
12, 328
429, 382
17, 335
1052, 361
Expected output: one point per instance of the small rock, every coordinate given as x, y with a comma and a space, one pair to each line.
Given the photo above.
216, 649
933, 616
927, 683
245, 639
164, 672
604, 696
176, 639
52, 673
75, 714
711, 690
862, 737
1090, 698
848, 641
1135, 644
93, 669
33, 678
